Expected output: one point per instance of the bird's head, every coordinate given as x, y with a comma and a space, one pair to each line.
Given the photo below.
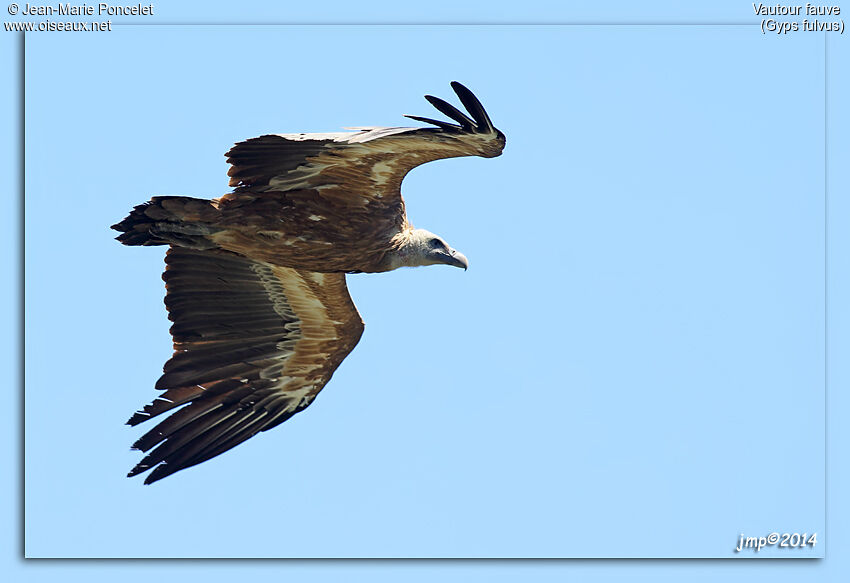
425, 248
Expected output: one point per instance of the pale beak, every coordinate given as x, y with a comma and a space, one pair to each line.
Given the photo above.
457, 259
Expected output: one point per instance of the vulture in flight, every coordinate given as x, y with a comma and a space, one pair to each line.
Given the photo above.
255, 280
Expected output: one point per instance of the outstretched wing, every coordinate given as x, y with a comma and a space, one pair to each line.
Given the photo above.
363, 166
254, 343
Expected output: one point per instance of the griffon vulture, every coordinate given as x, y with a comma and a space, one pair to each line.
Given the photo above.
255, 280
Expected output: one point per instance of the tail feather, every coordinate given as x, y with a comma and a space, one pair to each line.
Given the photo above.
167, 220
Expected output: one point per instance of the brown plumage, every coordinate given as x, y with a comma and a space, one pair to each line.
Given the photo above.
255, 280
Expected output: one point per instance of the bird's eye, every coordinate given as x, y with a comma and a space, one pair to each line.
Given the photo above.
435, 243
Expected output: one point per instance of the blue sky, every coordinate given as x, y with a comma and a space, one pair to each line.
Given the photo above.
639, 342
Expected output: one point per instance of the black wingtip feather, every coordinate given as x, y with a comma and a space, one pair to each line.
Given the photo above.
138, 417
473, 106
450, 110
440, 124
479, 122
136, 471
161, 471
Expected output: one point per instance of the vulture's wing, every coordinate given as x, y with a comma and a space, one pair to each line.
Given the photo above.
254, 344
369, 164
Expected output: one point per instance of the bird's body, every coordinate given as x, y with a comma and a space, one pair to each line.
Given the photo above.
256, 278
